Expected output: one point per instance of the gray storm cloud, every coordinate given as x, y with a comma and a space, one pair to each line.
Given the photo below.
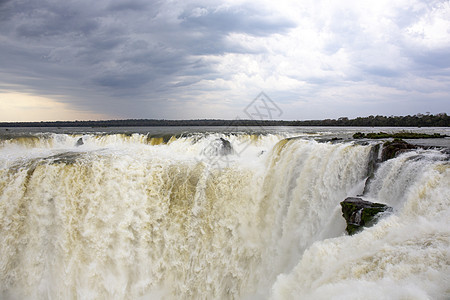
191, 59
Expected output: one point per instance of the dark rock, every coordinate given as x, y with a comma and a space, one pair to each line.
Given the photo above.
226, 147
218, 147
372, 166
373, 160
79, 142
359, 213
392, 148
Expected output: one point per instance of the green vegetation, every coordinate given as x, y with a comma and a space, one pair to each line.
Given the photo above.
397, 135
419, 120
359, 213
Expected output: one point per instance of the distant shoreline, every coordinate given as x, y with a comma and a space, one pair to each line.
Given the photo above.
439, 120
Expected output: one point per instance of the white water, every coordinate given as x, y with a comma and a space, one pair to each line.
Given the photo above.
129, 217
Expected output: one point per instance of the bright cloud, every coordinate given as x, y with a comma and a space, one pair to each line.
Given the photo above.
24, 107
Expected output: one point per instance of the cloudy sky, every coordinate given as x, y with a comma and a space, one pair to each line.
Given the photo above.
175, 59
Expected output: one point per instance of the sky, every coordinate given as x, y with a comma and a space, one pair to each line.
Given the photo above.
136, 59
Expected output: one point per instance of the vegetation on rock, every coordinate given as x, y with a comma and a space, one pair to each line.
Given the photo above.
359, 213
392, 148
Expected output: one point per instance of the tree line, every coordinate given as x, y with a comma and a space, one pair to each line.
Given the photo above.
418, 120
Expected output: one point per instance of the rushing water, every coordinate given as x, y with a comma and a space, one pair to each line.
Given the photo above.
167, 213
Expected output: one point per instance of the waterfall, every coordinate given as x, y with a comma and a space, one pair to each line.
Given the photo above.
134, 216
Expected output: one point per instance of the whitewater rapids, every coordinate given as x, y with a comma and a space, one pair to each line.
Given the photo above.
133, 216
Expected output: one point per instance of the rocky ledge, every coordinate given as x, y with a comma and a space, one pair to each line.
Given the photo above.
359, 213
393, 148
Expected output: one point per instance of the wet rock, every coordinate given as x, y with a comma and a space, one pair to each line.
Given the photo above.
393, 148
359, 213
372, 166
79, 142
226, 147
218, 147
